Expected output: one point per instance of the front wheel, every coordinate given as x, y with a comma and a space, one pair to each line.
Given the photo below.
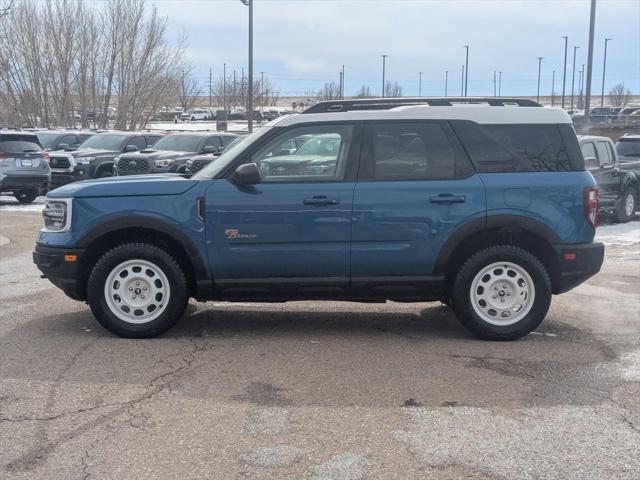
502, 293
137, 290
626, 207
26, 196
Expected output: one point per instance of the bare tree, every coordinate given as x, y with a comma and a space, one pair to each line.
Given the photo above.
330, 91
392, 90
619, 95
229, 94
364, 92
6, 6
188, 89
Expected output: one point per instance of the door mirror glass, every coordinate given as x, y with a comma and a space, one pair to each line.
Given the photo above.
131, 148
63, 146
247, 174
209, 149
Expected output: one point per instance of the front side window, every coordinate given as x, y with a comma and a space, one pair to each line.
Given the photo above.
105, 141
139, 142
516, 147
306, 154
589, 154
409, 151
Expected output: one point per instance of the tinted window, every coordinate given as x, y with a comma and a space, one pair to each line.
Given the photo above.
152, 139
139, 142
47, 139
69, 140
515, 148
227, 139
603, 153
83, 136
105, 141
628, 147
19, 143
324, 160
589, 153
409, 151
213, 142
179, 143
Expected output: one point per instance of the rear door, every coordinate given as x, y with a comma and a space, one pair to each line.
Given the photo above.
415, 188
294, 227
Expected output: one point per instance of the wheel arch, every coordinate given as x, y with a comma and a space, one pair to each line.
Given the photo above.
524, 232
150, 230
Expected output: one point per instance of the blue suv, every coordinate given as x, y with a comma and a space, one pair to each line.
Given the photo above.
484, 204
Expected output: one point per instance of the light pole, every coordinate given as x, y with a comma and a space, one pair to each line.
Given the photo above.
495, 91
262, 91
224, 86
587, 98
342, 91
249, 3
420, 84
539, 68
462, 83
384, 66
446, 82
466, 70
604, 70
499, 83
573, 74
553, 85
564, 69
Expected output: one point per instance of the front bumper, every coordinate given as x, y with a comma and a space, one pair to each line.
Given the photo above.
56, 266
576, 264
25, 182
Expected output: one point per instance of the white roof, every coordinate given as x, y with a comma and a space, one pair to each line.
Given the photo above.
482, 114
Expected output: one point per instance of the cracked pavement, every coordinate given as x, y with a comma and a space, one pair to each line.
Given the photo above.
316, 390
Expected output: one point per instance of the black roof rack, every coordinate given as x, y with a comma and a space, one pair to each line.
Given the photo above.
388, 103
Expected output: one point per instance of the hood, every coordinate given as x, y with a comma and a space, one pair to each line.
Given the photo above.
129, 186
86, 152
154, 155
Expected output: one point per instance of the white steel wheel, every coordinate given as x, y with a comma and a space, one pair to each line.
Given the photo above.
502, 293
137, 291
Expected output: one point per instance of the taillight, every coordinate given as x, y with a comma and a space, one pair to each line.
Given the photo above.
45, 155
3, 156
591, 206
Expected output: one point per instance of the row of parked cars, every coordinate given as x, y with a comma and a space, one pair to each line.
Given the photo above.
627, 116
33, 162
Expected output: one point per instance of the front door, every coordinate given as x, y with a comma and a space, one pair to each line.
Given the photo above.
295, 226
414, 189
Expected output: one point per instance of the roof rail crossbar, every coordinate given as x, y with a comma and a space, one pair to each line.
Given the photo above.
389, 103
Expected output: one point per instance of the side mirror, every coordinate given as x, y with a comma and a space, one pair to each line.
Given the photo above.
591, 162
130, 148
247, 174
63, 146
209, 149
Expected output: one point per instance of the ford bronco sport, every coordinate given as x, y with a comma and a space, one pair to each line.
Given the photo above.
484, 204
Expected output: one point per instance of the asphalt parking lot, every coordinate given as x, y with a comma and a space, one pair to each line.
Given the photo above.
318, 390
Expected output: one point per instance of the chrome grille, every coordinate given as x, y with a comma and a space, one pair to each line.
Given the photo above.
197, 165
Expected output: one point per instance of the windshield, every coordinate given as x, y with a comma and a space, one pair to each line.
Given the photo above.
628, 148
229, 155
105, 141
178, 143
47, 139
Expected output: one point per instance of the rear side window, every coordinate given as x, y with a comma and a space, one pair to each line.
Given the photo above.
19, 143
412, 151
589, 153
604, 154
520, 148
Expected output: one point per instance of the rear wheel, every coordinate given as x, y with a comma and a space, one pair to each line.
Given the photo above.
502, 293
26, 196
626, 208
137, 290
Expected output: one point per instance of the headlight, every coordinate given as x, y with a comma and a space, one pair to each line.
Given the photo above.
164, 162
84, 160
57, 215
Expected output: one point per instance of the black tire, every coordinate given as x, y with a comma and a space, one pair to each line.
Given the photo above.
462, 293
162, 260
622, 214
26, 196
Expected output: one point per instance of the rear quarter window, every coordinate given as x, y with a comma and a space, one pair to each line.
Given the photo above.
520, 147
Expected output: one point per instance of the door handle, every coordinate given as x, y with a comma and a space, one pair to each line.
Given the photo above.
447, 198
321, 201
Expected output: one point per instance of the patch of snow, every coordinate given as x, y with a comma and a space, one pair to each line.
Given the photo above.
198, 126
4, 240
619, 234
630, 366
10, 204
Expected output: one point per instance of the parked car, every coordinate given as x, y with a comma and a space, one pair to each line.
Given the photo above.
170, 154
487, 207
24, 166
198, 162
628, 148
62, 139
270, 115
618, 189
96, 156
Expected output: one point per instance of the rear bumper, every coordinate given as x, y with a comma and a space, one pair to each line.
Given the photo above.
577, 263
25, 182
62, 273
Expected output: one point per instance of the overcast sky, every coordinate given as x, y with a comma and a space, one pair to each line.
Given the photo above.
301, 44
